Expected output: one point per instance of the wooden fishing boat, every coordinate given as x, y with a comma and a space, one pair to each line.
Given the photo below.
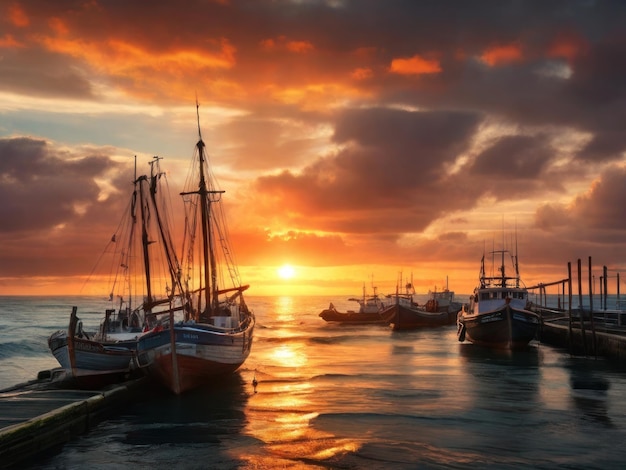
404, 313
88, 359
497, 315
143, 258
215, 336
443, 301
409, 317
370, 307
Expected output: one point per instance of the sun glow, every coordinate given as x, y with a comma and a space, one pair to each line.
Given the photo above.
286, 271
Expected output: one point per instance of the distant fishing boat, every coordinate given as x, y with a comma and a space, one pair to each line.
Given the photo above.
215, 337
405, 314
497, 314
370, 307
143, 271
443, 301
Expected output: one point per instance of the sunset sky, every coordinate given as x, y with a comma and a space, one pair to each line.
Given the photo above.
355, 139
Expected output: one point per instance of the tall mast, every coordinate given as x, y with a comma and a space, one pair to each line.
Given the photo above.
205, 211
516, 259
209, 262
144, 238
165, 236
131, 248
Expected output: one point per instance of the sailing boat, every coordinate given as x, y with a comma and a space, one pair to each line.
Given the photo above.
215, 337
497, 314
144, 273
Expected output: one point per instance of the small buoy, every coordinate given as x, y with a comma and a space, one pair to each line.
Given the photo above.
255, 382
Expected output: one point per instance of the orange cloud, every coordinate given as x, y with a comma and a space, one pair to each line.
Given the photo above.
160, 73
17, 16
498, 55
268, 44
567, 45
299, 46
117, 56
362, 73
58, 26
415, 65
9, 41
314, 96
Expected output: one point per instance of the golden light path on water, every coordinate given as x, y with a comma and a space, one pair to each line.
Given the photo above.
282, 413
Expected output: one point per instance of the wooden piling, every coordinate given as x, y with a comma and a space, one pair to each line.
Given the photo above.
593, 328
569, 308
580, 306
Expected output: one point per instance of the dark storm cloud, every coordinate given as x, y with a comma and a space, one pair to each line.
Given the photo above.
407, 142
600, 72
42, 187
604, 146
393, 170
55, 216
604, 207
513, 166
597, 218
41, 73
514, 156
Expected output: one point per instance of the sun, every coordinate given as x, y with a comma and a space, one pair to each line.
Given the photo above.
286, 271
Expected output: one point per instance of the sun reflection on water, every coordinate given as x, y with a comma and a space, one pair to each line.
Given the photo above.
284, 309
285, 407
288, 355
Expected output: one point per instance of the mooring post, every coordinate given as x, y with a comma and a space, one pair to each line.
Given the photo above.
618, 304
569, 307
593, 328
606, 292
580, 306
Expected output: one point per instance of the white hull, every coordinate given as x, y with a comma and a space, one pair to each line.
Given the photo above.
90, 358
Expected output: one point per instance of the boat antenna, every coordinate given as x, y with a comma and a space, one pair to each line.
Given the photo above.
198, 117
516, 258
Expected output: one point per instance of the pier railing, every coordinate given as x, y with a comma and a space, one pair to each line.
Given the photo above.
583, 312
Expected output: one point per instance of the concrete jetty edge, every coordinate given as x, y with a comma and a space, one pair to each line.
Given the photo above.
28, 439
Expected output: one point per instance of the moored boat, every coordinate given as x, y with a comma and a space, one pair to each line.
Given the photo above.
497, 315
443, 301
404, 313
88, 358
143, 263
369, 311
215, 335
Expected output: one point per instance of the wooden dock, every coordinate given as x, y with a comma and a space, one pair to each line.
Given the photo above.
590, 329
603, 340
44, 414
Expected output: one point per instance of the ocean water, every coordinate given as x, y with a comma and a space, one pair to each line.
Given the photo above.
347, 397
